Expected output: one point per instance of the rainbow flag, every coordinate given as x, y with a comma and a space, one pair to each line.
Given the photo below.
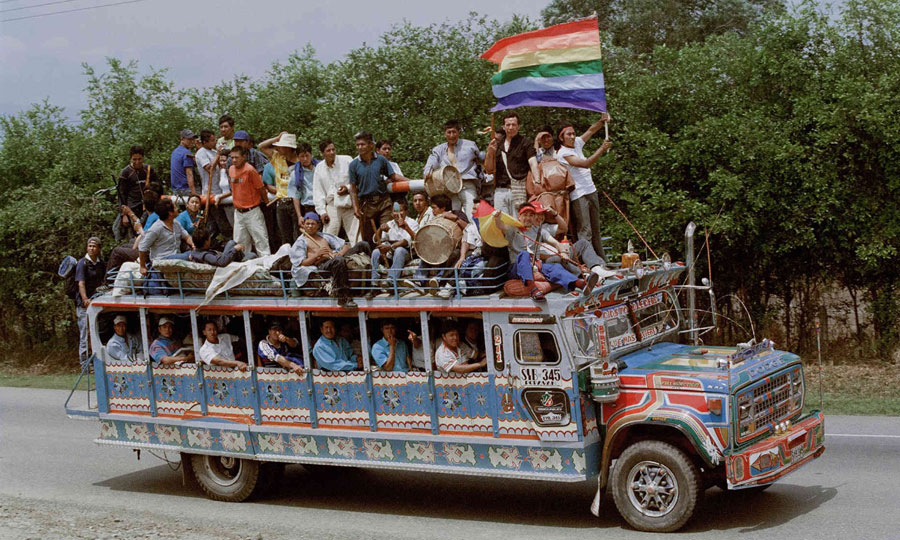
558, 66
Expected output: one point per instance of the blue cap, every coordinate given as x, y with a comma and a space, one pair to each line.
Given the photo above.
312, 215
241, 135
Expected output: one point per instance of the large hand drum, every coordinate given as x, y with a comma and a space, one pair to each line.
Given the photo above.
436, 240
444, 180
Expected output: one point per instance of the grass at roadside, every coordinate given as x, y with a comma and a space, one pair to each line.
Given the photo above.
850, 390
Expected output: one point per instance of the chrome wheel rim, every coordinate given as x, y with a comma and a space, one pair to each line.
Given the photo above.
652, 488
223, 470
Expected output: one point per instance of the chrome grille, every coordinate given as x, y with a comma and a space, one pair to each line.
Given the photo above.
768, 402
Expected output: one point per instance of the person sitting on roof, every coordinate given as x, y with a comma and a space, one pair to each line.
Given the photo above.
123, 346
189, 218
455, 356
202, 253
218, 349
537, 238
393, 241
333, 353
390, 353
442, 207
165, 350
273, 350
315, 251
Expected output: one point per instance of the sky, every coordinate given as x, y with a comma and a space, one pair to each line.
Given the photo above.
201, 42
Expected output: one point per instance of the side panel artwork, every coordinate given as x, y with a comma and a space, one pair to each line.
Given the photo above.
128, 387
177, 390
463, 401
341, 398
229, 393
283, 396
401, 400
501, 458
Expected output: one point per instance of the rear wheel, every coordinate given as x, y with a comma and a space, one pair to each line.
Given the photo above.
225, 478
656, 486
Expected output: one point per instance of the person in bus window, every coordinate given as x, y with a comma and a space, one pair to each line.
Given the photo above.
349, 331
218, 349
417, 354
274, 350
455, 356
123, 346
472, 336
390, 353
165, 349
333, 353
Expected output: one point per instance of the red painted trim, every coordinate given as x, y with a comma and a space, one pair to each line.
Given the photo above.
294, 309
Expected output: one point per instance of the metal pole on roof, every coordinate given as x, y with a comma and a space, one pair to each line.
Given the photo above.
692, 278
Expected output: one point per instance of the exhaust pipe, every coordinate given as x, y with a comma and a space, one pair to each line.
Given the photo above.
692, 278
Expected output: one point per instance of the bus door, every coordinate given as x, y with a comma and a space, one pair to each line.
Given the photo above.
536, 391
401, 398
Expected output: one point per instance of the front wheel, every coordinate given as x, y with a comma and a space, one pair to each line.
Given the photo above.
656, 486
225, 478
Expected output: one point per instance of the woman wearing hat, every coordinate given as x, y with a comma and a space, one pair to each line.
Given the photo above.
282, 154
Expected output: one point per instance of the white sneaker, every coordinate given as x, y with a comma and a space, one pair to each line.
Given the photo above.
446, 292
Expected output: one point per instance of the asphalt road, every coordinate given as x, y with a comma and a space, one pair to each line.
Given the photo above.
56, 483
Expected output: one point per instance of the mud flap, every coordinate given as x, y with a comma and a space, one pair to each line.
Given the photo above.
598, 499
187, 471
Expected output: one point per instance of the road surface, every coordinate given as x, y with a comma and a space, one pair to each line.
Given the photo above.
56, 483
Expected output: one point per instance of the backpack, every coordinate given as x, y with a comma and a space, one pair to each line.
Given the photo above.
67, 272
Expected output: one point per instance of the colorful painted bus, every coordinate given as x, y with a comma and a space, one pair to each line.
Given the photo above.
613, 386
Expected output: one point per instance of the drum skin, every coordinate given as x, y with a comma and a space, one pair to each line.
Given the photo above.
444, 180
436, 240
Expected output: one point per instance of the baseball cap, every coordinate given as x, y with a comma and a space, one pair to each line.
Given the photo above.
311, 215
187, 134
120, 319
241, 135
165, 320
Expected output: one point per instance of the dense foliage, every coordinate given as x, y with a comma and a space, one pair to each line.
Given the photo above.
773, 129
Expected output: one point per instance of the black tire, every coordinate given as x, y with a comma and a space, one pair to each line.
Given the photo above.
656, 486
226, 479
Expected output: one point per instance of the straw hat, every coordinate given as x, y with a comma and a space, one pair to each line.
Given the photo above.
287, 139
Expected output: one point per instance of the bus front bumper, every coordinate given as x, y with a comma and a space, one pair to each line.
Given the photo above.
775, 457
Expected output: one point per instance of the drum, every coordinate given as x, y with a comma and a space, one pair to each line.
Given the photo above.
445, 180
437, 240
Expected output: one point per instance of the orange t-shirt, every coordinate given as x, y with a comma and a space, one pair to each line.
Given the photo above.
245, 186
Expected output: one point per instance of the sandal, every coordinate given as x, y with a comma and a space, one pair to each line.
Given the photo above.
537, 295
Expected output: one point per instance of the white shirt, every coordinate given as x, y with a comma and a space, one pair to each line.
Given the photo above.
326, 181
222, 349
426, 216
395, 233
471, 236
446, 359
584, 184
204, 157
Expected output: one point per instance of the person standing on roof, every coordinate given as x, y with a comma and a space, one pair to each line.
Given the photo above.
248, 194
181, 167
584, 199
509, 158
462, 154
331, 192
282, 153
368, 190
226, 130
